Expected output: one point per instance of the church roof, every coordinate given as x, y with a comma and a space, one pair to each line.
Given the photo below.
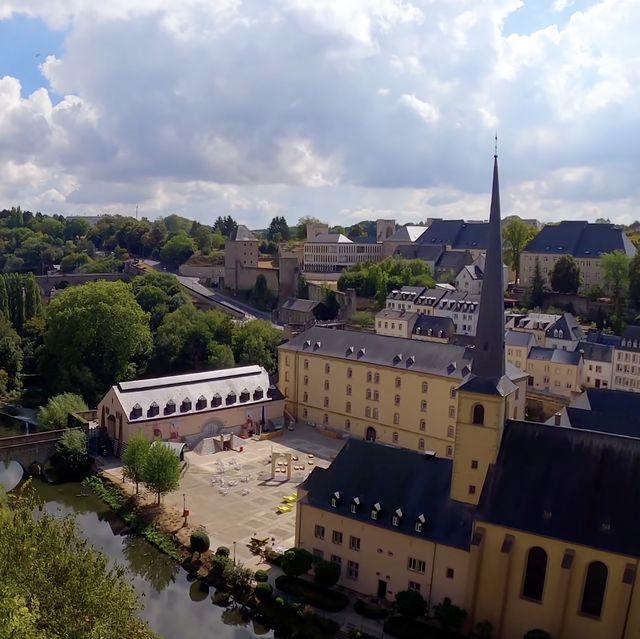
394, 479
242, 234
578, 486
406, 234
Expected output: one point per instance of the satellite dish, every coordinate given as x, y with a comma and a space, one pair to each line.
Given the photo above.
11, 474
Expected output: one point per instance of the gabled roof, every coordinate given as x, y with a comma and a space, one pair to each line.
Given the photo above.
299, 305
443, 232
430, 296
554, 355
406, 234
408, 293
519, 339
578, 486
395, 478
454, 260
580, 239
242, 234
569, 326
474, 271
595, 352
330, 238
434, 326
598, 337
630, 340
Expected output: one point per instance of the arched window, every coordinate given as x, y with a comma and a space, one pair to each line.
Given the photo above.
421, 444
305, 396
423, 425
348, 389
376, 378
594, 586
396, 400
396, 418
369, 376
478, 414
534, 574
348, 407
327, 369
375, 413
395, 438
347, 424
367, 411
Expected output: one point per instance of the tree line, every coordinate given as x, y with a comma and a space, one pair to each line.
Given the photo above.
94, 335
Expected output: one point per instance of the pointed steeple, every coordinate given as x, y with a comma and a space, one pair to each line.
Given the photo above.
488, 355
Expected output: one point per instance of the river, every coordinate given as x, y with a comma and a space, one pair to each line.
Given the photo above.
174, 606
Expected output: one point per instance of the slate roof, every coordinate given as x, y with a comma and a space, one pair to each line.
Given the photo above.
519, 339
453, 260
475, 272
406, 234
595, 352
430, 296
441, 327
394, 478
598, 337
554, 355
580, 239
630, 340
396, 352
330, 238
569, 326
473, 236
420, 252
578, 486
193, 386
394, 314
299, 305
407, 293
242, 234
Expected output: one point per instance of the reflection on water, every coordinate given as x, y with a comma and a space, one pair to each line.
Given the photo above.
175, 606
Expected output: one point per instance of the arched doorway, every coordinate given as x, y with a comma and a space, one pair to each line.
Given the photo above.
370, 435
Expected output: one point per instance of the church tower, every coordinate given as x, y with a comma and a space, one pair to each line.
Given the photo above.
482, 396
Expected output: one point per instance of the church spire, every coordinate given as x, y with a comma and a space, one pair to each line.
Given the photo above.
488, 356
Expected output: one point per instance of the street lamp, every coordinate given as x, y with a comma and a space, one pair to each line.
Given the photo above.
234, 553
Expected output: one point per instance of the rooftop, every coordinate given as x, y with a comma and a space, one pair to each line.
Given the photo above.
330, 238
596, 352
554, 355
578, 486
406, 234
395, 482
519, 339
242, 234
299, 305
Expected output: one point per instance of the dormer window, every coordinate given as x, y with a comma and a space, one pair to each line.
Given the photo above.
170, 407
231, 398
154, 410
245, 395
375, 511
335, 498
355, 505
201, 404
555, 332
216, 401
185, 407
419, 523
136, 412
397, 516
258, 393
560, 333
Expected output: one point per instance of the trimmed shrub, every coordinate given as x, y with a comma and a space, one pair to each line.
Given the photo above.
537, 634
199, 541
326, 573
329, 600
264, 591
403, 628
222, 551
261, 576
369, 610
274, 557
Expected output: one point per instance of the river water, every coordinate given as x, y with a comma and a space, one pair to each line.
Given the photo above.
174, 606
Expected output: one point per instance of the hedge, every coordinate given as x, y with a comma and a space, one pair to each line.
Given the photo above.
403, 628
261, 576
117, 500
369, 610
323, 598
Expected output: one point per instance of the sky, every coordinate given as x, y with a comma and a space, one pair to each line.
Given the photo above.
340, 109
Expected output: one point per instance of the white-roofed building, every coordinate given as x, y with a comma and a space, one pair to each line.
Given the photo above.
234, 400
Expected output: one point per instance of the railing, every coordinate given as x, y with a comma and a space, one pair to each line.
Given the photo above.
17, 441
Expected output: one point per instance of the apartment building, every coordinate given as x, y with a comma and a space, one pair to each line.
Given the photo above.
584, 241
564, 333
555, 371
597, 370
517, 345
534, 323
334, 252
626, 363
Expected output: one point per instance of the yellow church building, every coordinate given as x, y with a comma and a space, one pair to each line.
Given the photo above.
522, 524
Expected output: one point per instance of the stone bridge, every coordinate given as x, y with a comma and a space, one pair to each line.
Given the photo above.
26, 449
48, 282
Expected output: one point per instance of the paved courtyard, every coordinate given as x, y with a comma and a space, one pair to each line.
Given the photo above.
233, 497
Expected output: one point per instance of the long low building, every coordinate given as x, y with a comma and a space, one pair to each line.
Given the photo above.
234, 400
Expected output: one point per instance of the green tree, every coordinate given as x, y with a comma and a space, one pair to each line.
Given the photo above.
256, 342
161, 470
177, 250
278, 227
75, 227
71, 457
96, 334
450, 616
296, 562
615, 271
410, 604
565, 277
55, 414
225, 226
330, 308
4, 298
357, 230
363, 319
202, 237
32, 297
50, 552
515, 236
536, 293
326, 573
11, 357
238, 580
634, 281
16, 300
260, 295
134, 458
301, 226
303, 288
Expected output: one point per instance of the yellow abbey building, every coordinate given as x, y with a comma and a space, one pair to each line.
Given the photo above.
525, 525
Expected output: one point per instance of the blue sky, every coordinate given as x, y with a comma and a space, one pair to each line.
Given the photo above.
342, 109
24, 45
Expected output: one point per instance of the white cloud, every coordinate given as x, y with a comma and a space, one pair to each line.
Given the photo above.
336, 108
